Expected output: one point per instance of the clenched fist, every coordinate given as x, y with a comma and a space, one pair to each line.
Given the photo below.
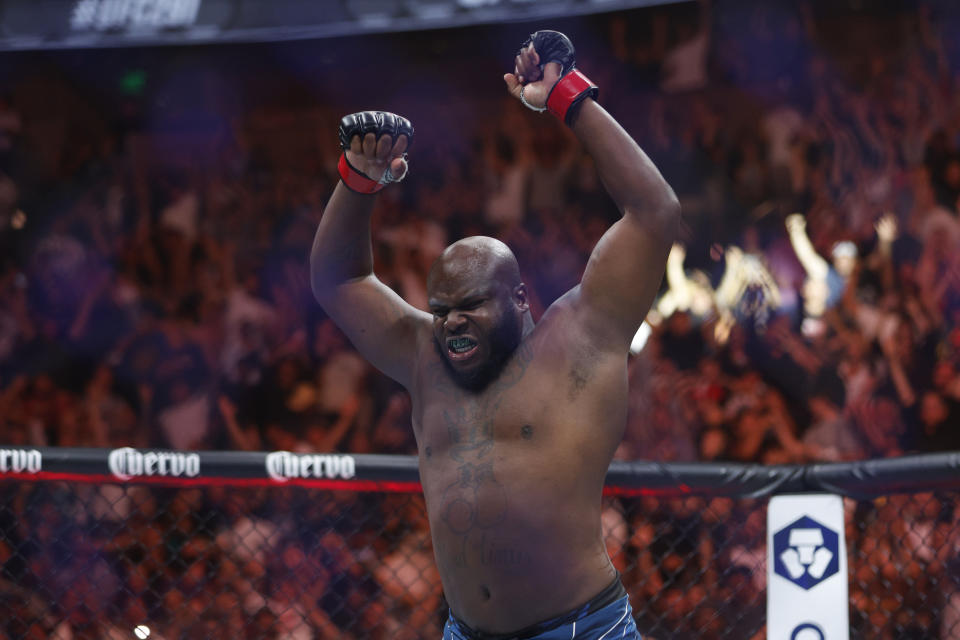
374, 149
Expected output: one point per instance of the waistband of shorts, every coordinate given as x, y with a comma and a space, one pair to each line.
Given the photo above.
610, 594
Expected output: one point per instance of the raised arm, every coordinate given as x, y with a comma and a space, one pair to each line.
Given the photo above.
383, 327
815, 266
627, 265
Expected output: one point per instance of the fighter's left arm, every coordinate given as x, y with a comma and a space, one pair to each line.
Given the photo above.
627, 265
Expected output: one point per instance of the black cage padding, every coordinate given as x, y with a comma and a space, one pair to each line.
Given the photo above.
863, 480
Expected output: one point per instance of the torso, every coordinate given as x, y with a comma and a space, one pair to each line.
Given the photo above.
513, 476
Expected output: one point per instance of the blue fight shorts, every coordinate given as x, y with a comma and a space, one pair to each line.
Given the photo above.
607, 616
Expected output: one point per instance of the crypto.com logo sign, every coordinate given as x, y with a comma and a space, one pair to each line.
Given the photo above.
805, 552
807, 631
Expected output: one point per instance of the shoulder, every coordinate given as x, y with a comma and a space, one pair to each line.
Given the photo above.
572, 337
574, 324
581, 367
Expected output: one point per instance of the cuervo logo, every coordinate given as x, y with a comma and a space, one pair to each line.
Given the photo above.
20, 461
283, 465
127, 462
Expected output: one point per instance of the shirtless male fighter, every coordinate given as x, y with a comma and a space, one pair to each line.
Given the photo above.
516, 422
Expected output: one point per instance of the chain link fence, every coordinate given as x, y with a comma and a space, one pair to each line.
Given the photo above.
234, 561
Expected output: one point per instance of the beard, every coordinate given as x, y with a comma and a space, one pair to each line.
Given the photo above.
503, 339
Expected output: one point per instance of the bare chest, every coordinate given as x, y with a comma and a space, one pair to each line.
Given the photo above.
458, 425
539, 402
502, 468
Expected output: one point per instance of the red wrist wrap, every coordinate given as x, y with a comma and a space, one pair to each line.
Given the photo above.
571, 90
354, 180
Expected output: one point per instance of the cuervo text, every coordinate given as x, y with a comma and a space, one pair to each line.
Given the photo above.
283, 465
127, 462
20, 461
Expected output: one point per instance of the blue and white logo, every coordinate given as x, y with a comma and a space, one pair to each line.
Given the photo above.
807, 631
805, 552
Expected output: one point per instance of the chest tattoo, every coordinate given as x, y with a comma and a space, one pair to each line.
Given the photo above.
476, 500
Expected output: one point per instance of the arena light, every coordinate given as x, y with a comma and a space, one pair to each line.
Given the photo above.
18, 220
133, 82
640, 338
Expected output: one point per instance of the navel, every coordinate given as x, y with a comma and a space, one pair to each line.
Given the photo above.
484, 592
429, 452
526, 432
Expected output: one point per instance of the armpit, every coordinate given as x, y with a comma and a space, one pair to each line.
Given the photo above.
578, 378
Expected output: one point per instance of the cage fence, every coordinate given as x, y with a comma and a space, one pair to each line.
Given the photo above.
241, 553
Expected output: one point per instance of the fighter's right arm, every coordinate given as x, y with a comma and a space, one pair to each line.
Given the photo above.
382, 326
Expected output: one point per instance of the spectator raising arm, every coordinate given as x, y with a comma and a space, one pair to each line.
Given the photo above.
815, 266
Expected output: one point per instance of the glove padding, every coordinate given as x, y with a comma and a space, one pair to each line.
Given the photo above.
375, 122
378, 123
573, 87
553, 46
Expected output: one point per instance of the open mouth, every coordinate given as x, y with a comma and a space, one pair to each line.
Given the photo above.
461, 347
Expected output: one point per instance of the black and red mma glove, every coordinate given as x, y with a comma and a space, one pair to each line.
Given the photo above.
573, 87
378, 123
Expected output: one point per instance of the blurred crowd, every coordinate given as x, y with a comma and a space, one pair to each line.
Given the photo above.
154, 285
